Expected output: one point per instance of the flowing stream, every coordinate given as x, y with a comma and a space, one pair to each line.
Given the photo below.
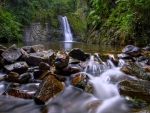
103, 77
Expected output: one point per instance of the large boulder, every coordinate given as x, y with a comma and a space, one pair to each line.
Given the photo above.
69, 70
48, 88
19, 67
61, 60
131, 50
139, 89
26, 48
37, 48
78, 54
133, 69
12, 77
44, 66
12, 54
33, 59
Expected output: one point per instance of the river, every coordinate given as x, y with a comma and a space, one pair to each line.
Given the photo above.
71, 100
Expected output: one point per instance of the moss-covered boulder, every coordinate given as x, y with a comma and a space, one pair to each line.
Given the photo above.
139, 89
133, 69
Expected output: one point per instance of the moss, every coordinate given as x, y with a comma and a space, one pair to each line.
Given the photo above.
77, 24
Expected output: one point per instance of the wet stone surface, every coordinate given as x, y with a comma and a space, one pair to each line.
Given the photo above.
139, 89
49, 87
12, 54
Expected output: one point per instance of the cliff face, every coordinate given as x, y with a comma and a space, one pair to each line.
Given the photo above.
36, 32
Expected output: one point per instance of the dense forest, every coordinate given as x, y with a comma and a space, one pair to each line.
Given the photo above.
101, 21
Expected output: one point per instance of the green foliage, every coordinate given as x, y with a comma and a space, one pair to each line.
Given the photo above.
128, 21
23, 12
27, 11
76, 22
61, 7
9, 29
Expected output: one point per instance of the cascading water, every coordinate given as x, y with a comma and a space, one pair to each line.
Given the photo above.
65, 27
72, 99
104, 89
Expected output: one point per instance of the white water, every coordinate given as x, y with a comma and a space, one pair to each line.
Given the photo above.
104, 90
66, 30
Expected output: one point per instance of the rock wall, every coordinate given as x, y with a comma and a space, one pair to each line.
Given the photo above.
36, 32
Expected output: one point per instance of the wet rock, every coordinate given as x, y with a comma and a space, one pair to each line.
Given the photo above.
69, 70
26, 48
133, 69
19, 67
49, 87
24, 78
61, 60
131, 50
37, 73
44, 66
23, 52
78, 54
33, 59
12, 77
59, 77
135, 103
139, 89
17, 93
12, 54
124, 56
93, 105
79, 80
44, 74
37, 48
15, 77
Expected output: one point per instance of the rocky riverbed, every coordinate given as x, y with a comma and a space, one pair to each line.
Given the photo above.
60, 77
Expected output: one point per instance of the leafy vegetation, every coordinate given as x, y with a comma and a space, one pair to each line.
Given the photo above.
9, 28
23, 12
119, 22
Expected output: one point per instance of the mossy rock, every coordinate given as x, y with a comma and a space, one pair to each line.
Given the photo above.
139, 89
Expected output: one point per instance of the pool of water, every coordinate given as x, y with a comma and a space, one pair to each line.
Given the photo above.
67, 46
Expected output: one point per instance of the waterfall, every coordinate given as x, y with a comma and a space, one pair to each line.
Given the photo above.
65, 27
